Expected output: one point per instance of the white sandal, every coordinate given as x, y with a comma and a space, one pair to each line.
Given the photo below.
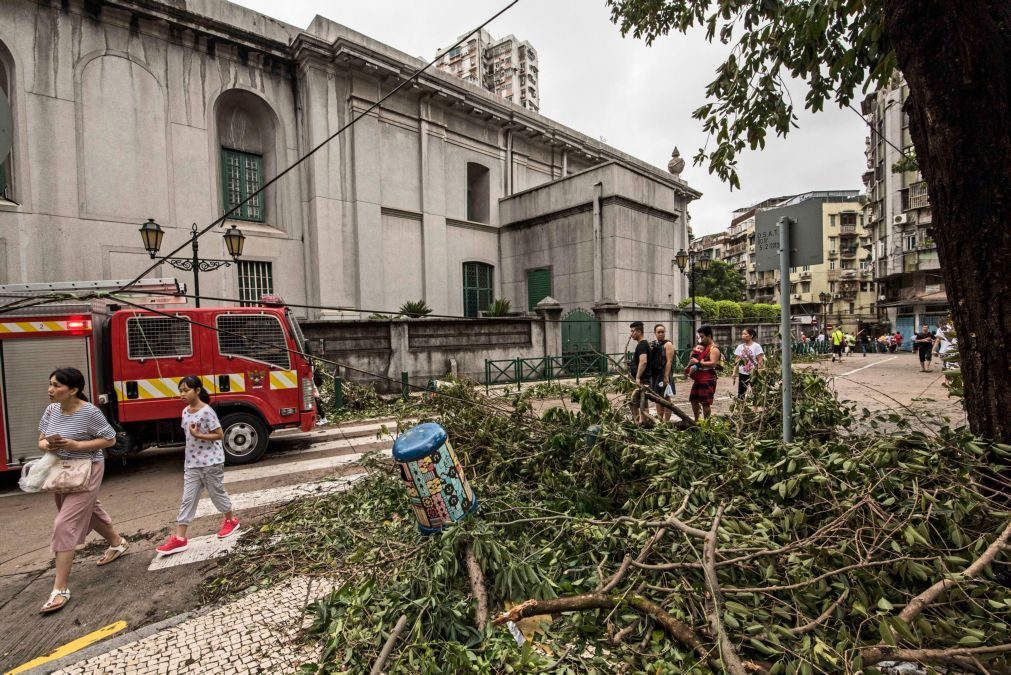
117, 551
50, 607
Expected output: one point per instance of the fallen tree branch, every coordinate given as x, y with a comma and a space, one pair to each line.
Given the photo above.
808, 627
872, 655
388, 647
679, 630
731, 661
477, 586
609, 586
687, 419
826, 575
920, 602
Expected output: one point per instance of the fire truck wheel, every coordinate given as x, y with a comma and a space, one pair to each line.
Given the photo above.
245, 438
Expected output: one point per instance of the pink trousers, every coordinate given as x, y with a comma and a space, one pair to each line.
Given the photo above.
79, 513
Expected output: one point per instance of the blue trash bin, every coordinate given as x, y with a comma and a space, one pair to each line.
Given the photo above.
439, 491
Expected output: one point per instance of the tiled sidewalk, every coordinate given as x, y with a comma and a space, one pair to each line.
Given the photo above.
254, 634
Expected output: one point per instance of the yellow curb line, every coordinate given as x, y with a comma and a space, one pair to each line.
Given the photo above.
71, 647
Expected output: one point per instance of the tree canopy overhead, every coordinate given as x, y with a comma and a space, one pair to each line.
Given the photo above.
720, 282
955, 58
839, 48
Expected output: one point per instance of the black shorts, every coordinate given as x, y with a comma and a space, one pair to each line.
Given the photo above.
837, 349
658, 387
925, 354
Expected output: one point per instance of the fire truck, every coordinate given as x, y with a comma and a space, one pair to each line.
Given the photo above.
251, 360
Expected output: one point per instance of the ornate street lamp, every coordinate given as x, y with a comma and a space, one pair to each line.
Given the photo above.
688, 259
152, 235
825, 297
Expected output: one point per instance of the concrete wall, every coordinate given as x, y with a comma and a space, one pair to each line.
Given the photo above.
642, 223
377, 352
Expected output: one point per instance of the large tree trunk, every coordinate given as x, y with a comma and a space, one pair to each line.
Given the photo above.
956, 58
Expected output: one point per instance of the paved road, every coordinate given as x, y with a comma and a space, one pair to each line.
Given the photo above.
143, 498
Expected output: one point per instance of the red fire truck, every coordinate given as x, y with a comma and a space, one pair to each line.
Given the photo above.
251, 361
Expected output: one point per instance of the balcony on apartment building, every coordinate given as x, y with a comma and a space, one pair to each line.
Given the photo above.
845, 230
849, 251
920, 261
736, 249
915, 197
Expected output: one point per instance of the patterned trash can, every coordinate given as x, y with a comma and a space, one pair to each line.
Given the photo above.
439, 491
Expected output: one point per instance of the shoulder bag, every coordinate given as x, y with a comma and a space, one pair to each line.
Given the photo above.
68, 475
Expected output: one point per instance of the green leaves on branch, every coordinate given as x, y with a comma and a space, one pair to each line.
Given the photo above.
838, 49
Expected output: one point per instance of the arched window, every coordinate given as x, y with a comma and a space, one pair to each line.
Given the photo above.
247, 138
478, 289
6, 86
478, 195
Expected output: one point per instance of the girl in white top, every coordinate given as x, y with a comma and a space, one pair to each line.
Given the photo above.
749, 357
205, 465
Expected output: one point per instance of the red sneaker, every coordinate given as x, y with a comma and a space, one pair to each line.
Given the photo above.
228, 528
173, 545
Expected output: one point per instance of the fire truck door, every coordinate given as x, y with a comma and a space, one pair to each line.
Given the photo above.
27, 363
156, 353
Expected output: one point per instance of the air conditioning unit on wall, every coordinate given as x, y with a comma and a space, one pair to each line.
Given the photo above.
900, 219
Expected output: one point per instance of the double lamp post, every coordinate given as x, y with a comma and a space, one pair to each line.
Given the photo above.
825, 298
687, 259
152, 234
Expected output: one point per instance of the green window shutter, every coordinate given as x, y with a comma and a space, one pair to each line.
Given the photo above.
241, 176
477, 287
538, 286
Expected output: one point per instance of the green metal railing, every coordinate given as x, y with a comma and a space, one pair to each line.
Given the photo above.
567, 366
547, 368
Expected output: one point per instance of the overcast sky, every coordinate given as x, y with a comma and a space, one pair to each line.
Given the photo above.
639, 99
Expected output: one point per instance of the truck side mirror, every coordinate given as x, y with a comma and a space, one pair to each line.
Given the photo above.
307, 347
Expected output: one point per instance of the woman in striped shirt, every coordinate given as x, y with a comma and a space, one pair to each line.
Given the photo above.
75, 429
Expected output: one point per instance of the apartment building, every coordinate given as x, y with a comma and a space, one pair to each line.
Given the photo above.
844, 280
910, 287
506, 67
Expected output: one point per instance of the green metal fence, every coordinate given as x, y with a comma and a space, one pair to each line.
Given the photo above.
567, 366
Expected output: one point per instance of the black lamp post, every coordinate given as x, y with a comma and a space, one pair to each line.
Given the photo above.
685, 259
824, 296
152, 234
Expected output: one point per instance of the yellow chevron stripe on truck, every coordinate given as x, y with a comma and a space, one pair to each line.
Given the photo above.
8, 327
152, 389
283, 379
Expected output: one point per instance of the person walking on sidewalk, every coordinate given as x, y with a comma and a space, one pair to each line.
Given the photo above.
749, 357
204, 467
944, 342
838, 338
661, 359
638, 369
75, 429
702, 371
923, 342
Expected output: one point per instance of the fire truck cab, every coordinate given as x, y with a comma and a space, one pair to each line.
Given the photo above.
251, 360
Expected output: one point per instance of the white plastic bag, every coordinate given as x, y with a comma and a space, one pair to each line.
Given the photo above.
668, 392
33, 473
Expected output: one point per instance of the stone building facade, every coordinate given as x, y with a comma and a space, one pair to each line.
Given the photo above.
175, 110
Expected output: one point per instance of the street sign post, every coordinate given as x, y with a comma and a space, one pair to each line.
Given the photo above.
785, 237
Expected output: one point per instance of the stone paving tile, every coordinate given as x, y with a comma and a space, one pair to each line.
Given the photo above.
255, 634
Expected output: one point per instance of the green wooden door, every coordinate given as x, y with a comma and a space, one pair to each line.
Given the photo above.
581, 344
538, 286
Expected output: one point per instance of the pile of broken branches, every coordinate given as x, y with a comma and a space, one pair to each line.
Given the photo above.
711, 549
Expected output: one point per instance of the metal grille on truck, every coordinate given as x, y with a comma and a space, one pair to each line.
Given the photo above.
254, 337
152, 337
